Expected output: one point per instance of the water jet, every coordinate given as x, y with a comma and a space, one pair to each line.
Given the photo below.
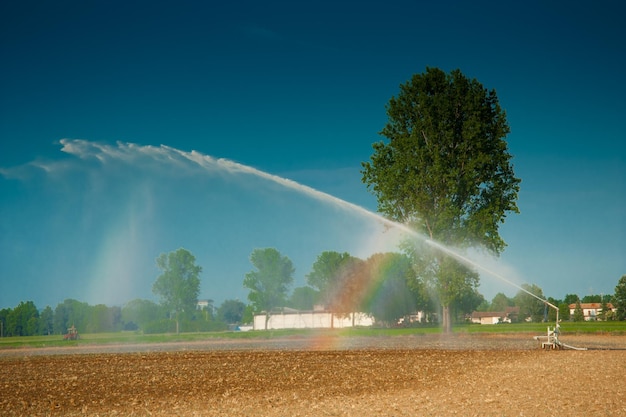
128, 153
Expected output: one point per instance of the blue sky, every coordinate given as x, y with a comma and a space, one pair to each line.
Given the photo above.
90, 90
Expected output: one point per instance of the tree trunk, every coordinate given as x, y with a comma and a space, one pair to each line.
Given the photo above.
445, 317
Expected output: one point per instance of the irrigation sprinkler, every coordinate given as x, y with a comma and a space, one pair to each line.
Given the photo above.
551, 339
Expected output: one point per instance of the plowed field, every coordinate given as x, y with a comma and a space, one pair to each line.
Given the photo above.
473, 376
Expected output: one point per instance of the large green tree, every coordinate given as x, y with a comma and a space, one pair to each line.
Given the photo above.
179, 283
335, 275
445, 171
270, 282
325, 274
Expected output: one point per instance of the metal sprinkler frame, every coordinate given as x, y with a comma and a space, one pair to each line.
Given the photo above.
551, 339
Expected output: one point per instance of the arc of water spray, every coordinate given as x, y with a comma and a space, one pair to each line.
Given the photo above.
127, 151
207, 161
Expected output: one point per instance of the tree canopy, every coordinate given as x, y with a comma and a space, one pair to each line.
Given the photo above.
303, 298
270, 281
445, 170
531, 306
339, 277
179, 283
392, 295
139, 313
325, 273
231, 311
500, 302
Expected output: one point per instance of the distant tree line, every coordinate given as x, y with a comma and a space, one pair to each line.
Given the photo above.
388, 287
535, 310
177, 286
137, 315
385, 286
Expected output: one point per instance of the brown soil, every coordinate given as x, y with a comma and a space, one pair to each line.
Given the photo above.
401, 376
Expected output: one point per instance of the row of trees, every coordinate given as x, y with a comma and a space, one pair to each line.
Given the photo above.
178, 287
145, 315
386, 286
531, 307
26, 320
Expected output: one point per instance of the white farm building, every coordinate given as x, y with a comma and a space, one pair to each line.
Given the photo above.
591, 311
288, 318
